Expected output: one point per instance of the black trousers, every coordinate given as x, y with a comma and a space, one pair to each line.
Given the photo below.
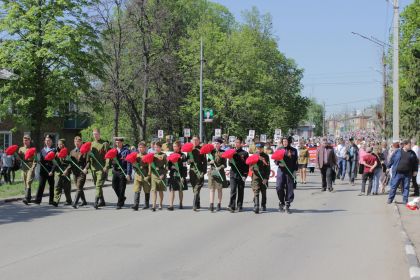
43, 179
326, 173
237, 186
367, 177
285, 187
119, 183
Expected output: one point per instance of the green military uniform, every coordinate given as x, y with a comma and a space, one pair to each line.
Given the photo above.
99, 149
27, 173
141, 182
63, 183
215, 182
261, 168
79, 177
160, 163
198, 169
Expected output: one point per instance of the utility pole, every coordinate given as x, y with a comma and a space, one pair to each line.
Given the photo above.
395, 77
201, 89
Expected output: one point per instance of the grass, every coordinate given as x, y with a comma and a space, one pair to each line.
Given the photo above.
17, 188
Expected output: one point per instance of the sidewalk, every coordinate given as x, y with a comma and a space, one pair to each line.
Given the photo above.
411, 222
88, 186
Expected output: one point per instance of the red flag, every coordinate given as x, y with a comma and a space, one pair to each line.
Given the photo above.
30, 153
63, 153
253, 159
206, 149
50, 156
229, 154
174, 157
279, 154
187, 147
111, 154
148, 158
131, 158
86, 147
11, 150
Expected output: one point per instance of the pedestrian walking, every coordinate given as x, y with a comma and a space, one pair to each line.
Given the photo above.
217, 177
369, 164
79, 169
341, 153
404, 165
303, 160
28, 168
46, 173
326, 161
352, 160
177, 177
238, 174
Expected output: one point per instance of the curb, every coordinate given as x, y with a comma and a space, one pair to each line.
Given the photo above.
410, 252
20, 198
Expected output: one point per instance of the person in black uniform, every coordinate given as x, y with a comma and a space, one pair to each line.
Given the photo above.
238, 176
48, 174
177, 183
285, 181
119, 179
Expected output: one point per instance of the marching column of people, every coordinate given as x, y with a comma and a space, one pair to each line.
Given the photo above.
378, 165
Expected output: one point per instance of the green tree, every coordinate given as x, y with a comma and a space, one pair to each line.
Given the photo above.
315, 115
52, 48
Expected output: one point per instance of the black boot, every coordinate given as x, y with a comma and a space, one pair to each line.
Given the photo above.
146, 200
257, 204
101, 201
211, 207
83, 198
195, 203
96, 205
135, 207
27, 198
76, 200
219, 207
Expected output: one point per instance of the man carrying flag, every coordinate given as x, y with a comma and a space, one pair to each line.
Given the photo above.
260, 176
141, 179
28, 167
238, 174
97, 162
64, 168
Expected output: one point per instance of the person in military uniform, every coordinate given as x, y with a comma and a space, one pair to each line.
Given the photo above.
285, 181
260, 184
141, 179
79, 171
47, 174
28, 168
177, 182
198, 168
121, 171
158, 171
97, 166
217, 177
167, 146
238, 176
64, 183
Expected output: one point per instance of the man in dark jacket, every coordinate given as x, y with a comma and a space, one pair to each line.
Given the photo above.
352, 160
404, 165
238, 176
326, 161
285, 181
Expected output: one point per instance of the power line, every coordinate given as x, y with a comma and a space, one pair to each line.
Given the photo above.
342, 83
350, 102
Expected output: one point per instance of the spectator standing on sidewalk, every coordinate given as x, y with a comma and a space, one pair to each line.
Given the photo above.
7, 164
341, 153
415, 149
377, 171
326, 161
404, 165
353, 158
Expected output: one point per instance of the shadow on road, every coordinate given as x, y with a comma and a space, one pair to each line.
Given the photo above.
317, 211
17, 212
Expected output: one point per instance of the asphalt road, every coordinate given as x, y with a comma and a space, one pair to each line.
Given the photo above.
334, 235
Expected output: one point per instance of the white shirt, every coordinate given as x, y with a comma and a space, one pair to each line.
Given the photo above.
341, 151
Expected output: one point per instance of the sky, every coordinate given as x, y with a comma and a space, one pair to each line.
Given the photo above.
340, 69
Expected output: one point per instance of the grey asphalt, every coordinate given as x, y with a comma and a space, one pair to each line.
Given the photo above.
334, 235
